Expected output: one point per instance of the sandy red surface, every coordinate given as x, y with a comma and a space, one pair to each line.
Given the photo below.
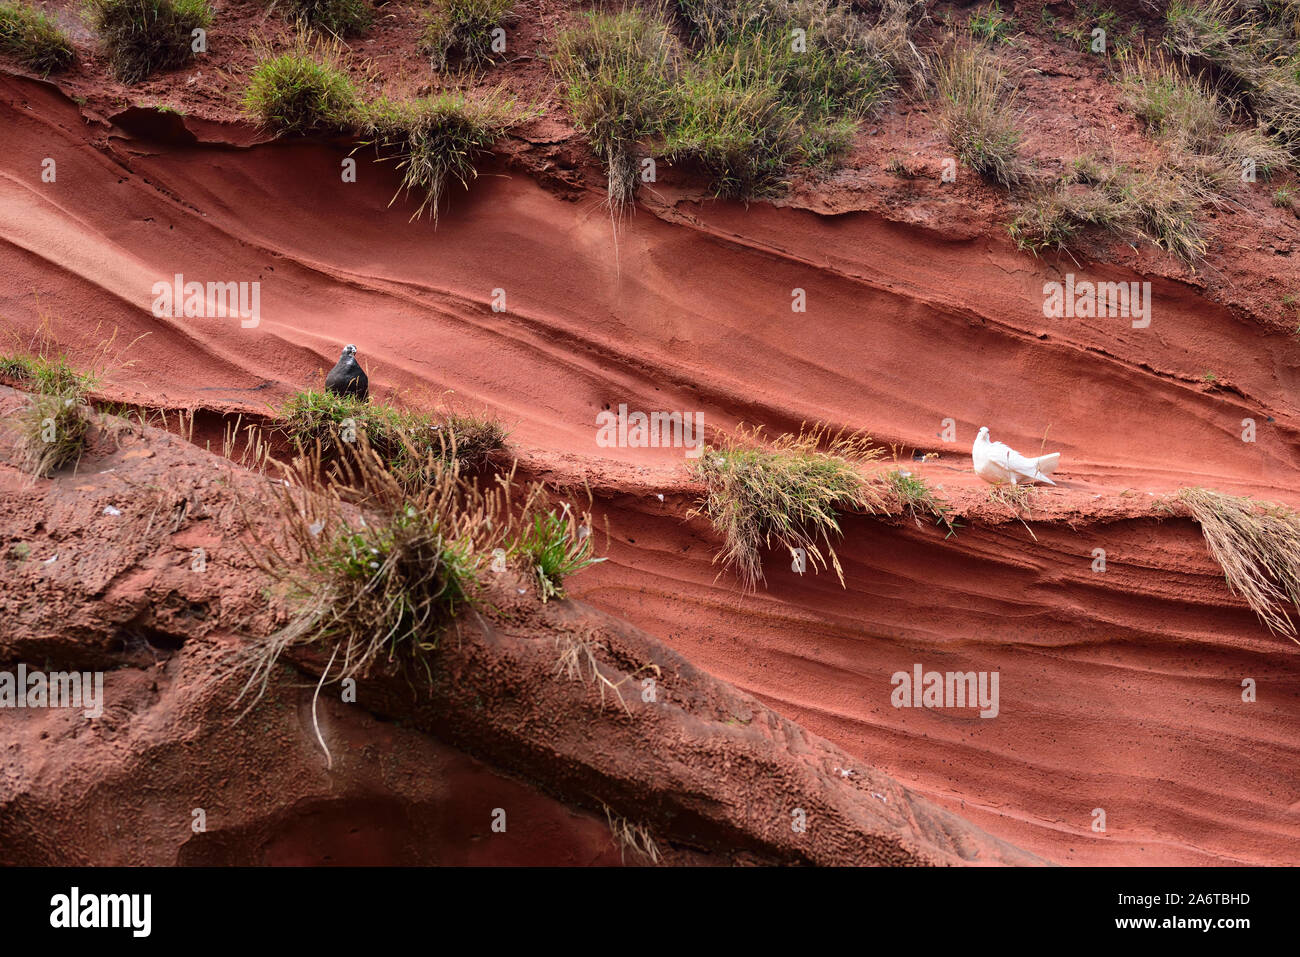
1120, 691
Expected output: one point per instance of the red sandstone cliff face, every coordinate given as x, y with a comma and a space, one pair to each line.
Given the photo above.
1120, 690
414, 775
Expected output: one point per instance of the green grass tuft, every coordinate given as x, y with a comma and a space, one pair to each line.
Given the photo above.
402, 577
990, 24
339, 18
554, 546
432, 141
1254, 47
461, 31
319, 416
377, 570
45, 374
976, 115
764, 88
376, 582
1172, 105
303, 90
786, 493
15, 368
403, 440
738, 132
1158, 204
1195, 124
142, 37
617, 71
54, 425
437, 139
917, 499
34, 38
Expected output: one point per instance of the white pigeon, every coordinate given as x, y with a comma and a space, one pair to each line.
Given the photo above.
999, 464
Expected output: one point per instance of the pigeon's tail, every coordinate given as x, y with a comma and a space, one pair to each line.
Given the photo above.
1046, 465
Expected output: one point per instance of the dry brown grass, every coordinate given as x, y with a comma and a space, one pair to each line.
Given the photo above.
1253, 46
976, 104
54, 427
632, 837
1016, 497
1258, 546
576, 659
374, 569
786, 492
1156, 203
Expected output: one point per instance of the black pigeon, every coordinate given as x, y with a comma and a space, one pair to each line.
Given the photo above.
347, 378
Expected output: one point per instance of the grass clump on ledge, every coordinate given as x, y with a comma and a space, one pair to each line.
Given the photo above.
1258, 546
917, 498
402, 440
54, 425
432, 140
34, 38
376, 570
1157, 203
554, 546
54, 429
339, 18
826, 78
632, 87
44, 374
302, 90
379, 583
315, 415
787, 492
736, 131
462, 30
437, 139
142, 37
975, 98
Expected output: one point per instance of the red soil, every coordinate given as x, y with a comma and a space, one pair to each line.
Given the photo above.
1120, 690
